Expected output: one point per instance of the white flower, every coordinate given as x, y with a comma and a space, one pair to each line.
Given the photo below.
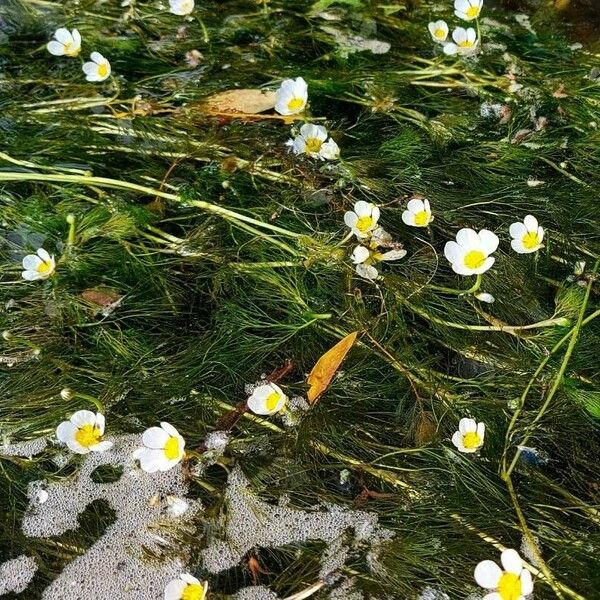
38, 266
181, 7
465, 41
267, 399
470, 254
467, 10
512, 583
163, 448
291, 97
65, 43
83, 432
469, 437
527, 236
186, 587
365, 258
98, 69
417, 213
363, 219
438, 31
312, 141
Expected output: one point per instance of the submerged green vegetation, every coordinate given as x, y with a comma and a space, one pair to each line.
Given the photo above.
196, 254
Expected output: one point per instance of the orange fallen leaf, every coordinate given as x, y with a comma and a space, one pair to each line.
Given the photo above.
245, 101
322, 374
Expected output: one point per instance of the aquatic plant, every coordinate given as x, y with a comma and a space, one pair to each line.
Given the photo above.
165, 259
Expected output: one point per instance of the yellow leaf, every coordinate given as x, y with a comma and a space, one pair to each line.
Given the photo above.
245, 101
322, 374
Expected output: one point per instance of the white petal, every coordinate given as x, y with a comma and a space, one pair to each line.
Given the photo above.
487, 574
66, 431
174, 589
169, 428
427, 206
461, 5
540, 233
450, 49
489, 241
467, 425
393, 255
360, 254
76, 38
471, 35
100, 422
526, 583
375, 213
329, 150
459, 35
83, 417
30, 275
517, 230
367, 271
151, 460
90, 68
55, 48
97, 58
511, 561
408, 218
415, 205
63, 35
101, 446
481, 430
299, 145
257, 405
350, 218
76, 447
31, 262
468, 239
517, 246
487, 264
530, 223
189, 579
155, 437
309, 130
363, 209
43, 254
457, 439
492, 596
453, 252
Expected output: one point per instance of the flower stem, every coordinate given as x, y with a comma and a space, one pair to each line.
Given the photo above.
459, 292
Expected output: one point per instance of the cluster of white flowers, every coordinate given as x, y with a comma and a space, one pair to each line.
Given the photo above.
68, 43
471, 253
362, 221
465, 41
312, 140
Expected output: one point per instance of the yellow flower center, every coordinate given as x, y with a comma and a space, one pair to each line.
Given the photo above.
440, 33
44, 267
465, 44
422, 218
472, 12
364, 224
509, 586
193, 591
102, 70
171, 448
272, 400
313, 144
88, 435
474, 259
296, 103
70, 49
531, 240
471, 440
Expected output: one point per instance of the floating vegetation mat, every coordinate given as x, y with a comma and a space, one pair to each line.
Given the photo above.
299, 300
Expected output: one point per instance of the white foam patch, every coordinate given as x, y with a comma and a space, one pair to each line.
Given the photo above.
16, 574
24, 449
138, 554
250, 522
